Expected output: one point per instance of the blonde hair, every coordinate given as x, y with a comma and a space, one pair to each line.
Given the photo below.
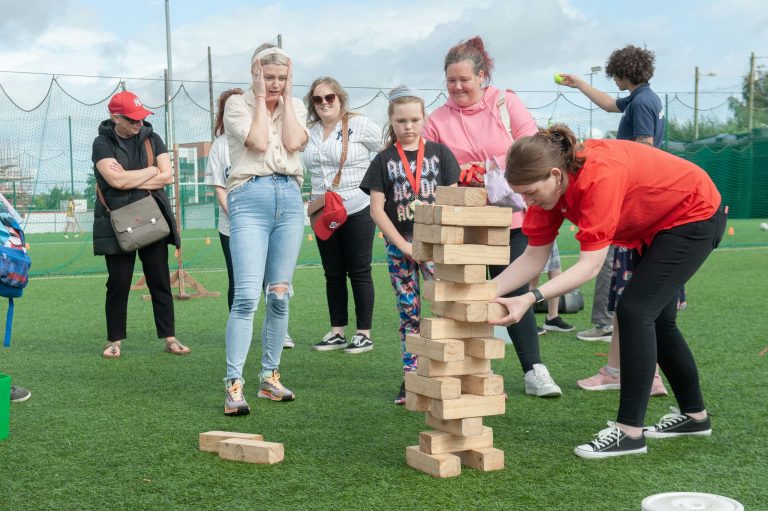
274, 56
400, 95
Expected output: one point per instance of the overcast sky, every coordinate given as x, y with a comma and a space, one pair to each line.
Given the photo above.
373, 43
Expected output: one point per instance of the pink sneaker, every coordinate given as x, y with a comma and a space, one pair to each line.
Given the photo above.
601, 381
657, 387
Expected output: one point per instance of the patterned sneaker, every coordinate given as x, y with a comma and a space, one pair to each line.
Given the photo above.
19, 394
400, 399
611, 442
539, 383
331, 341
360, 343
657, 387
271, 388
599, 333
288, 342
557, 324
603, 380
678, 424
234, 402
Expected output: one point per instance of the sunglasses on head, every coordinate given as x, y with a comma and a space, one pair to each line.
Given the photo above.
132, 121
329, 98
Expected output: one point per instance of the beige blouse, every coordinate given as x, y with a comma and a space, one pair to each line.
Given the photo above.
246, 163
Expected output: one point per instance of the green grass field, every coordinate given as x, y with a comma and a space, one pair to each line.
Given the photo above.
122, 434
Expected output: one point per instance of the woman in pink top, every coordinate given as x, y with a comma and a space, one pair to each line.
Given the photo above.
478, 123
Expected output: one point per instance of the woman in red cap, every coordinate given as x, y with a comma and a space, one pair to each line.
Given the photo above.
126, 173
627, 194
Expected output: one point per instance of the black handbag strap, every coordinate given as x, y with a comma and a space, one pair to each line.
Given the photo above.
150, 163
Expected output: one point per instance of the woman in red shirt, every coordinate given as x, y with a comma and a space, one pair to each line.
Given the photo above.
621, 193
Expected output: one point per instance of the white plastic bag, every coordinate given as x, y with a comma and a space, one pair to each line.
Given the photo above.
499, 192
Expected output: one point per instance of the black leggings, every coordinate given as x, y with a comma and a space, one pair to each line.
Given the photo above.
524, 334
647, 318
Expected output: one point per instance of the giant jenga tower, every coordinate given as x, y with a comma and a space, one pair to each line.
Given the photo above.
454, 384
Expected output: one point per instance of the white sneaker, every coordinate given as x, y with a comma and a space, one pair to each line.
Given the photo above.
288, 342
539, 383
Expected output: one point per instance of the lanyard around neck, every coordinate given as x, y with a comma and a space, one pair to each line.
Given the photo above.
414, 180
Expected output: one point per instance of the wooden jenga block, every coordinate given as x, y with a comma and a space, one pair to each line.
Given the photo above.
444, 350
431, 368
482, 384
417, 403
461, 273
424, 214
467, 310
446, 291
486, 459
486, 216
444, 328
209, 441
460, 196
484, 347
439, 442
422, 251
251, 451
440, 234
469, 254
438, 388
437, 465
471, 426
468, 405
486, 236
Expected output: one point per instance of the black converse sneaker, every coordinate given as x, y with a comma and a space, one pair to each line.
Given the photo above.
678, 424
611, 442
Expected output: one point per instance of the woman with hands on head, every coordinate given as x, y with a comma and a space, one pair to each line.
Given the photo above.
664, 208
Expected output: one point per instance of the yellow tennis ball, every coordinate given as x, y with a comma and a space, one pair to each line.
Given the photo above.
559, 79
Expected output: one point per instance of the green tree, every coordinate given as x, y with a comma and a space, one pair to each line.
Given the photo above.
682, 131
740, 108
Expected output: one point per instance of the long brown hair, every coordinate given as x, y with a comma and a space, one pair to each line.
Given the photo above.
218, 124
530, 159
341, 96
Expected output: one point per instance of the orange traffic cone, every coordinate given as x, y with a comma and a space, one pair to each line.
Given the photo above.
731, 232
309, 237
572, 228
26, 245
207, 241
381, 235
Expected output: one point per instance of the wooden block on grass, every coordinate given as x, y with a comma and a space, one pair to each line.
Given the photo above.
424, 214
431, 368
446, 291
417, 403
471, 426
484, 347
450, 235
209, 441
444, 328
486, 216
486, 459
460, 196
438, 388
444, 350
251, 451
437, 465
486, 236
422, 251
469, 254
468, 405
482, 384
461, 273
440, 442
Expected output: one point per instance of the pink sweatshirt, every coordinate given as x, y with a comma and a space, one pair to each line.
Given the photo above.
477, 133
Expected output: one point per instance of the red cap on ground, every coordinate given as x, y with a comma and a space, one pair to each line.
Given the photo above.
128, 104
332, 217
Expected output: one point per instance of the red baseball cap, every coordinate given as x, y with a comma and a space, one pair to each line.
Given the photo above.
128, 104
331, 218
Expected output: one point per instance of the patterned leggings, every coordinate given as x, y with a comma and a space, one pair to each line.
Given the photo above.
404, 275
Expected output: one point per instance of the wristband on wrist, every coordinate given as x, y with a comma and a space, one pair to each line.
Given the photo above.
537, 295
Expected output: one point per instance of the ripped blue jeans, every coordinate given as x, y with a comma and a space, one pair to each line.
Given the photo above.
266, 228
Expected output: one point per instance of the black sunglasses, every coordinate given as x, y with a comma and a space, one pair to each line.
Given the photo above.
329, 98
132, 121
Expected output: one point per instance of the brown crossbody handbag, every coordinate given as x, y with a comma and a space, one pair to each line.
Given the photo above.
315, 207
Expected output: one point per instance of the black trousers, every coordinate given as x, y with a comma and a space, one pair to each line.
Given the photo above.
647, 318
524, 334
347, 253
230, 274
154, 262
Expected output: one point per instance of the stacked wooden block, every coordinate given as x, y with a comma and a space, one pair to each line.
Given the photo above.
453, 383
247, 447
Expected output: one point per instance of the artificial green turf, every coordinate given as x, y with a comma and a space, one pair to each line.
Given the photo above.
122, 434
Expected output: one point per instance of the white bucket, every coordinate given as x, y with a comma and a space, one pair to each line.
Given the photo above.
686, 501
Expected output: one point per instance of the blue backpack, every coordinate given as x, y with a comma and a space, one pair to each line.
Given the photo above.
14, 261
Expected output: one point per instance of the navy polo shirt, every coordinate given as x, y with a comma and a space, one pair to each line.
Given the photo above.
643, 115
